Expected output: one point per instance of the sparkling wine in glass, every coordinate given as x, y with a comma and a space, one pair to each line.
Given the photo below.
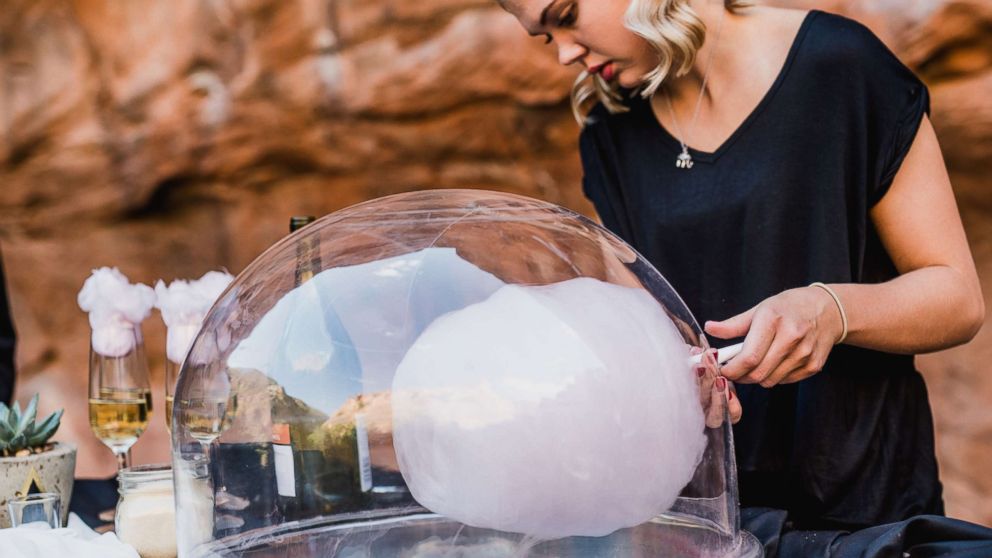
120, 395
171, 376
208, 417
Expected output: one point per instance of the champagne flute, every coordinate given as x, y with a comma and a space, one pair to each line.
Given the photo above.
171, 376
208, 412
206, 409
120, 396
178, 339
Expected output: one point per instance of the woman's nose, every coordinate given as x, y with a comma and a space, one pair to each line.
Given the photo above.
570, 52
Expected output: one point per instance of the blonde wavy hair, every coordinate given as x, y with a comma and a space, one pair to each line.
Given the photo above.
675, 32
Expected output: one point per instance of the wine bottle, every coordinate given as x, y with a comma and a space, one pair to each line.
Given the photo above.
321, 460
287, 459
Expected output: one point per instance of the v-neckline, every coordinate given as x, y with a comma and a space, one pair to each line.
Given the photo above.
710, 156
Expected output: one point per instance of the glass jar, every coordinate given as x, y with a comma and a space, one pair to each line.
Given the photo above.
146, 511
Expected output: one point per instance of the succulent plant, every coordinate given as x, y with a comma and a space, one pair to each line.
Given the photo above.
19, 431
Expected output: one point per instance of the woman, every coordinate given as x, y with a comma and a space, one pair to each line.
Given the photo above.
788, 148
7, 339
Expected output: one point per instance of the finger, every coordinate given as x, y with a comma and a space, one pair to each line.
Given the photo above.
717, 410
759, 339
734, 404
705, 384
797, 375
774, 361
735, 326
812, 366
779, 375
793, 362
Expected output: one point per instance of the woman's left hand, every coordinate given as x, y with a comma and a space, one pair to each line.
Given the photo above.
788, 337
717, 395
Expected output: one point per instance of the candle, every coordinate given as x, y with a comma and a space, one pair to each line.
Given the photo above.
146, 512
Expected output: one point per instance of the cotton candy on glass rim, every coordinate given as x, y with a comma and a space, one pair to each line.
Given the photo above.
115, 307
183, 305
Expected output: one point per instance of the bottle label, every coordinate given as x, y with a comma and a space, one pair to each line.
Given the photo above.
283, 453
364, 461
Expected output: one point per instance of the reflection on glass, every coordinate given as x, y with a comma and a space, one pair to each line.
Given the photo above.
207, 417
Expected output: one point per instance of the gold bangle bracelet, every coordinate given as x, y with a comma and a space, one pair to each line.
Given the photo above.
840, 307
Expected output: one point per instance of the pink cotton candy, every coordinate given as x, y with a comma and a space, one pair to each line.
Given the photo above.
115, 307
184, 304
560, 410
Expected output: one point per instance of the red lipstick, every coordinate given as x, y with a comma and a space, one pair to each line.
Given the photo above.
608, 71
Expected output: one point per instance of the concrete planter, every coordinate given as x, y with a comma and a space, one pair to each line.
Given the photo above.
51, 471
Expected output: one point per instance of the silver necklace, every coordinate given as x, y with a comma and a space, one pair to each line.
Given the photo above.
684, 160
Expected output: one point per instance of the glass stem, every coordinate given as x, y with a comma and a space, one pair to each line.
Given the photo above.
123, 459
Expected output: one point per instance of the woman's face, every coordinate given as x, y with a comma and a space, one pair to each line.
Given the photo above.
590, 32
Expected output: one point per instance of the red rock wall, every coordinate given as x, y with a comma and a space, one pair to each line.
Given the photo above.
169, 138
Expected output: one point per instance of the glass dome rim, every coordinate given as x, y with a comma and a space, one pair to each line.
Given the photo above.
742, 541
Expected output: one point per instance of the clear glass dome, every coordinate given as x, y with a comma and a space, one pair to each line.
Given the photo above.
453, 373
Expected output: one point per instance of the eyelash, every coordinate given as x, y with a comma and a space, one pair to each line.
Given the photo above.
566, 20
569, 17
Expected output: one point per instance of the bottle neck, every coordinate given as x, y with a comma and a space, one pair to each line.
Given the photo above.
307, 259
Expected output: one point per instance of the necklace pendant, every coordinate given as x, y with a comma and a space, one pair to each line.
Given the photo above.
684, 161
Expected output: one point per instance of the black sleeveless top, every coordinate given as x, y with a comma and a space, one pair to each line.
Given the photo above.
782, 203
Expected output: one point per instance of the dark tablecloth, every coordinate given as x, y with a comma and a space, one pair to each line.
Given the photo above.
90, 497
923, 536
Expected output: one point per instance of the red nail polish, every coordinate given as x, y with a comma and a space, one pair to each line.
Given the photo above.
700, 371
730, 395
721, 383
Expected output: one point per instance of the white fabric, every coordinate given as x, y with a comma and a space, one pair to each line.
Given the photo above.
560, 410
115, 306
38, 540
